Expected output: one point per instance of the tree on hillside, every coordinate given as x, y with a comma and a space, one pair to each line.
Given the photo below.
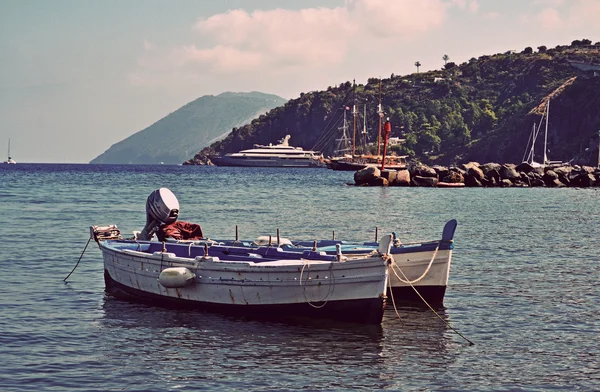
446, 58
417, 64
450, 65
542, 49
527, 50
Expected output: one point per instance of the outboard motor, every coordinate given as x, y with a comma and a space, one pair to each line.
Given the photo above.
162, 208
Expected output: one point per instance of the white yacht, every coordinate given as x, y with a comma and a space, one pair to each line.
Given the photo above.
279, 155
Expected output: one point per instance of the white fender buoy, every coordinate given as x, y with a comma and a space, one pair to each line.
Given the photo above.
176, 277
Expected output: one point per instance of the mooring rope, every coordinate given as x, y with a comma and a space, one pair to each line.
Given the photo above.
424, 273
329, 291
429, 306
86, 245
392, 295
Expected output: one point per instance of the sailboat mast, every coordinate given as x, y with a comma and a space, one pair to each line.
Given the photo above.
546, 132
364, 132
380, 112
354, 123
533, 136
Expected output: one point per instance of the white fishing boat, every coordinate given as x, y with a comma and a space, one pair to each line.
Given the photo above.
419, 271
10, 161
333, 287
278, 155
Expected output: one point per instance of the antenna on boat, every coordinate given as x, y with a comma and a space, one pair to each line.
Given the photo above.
205, 250
333, 235
314, 246
278, 238
236, 234
376, 232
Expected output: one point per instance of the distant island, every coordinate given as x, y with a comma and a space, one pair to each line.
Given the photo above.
481, 110
178, 136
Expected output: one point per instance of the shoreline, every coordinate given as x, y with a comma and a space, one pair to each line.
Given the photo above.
474, 174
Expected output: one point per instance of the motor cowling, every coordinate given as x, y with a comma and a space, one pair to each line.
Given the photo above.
162, 208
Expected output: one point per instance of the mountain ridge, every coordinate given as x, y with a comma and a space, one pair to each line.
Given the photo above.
177, 136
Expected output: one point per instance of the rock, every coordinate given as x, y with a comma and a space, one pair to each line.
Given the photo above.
402, 178
588, 169
366, 175
453, 177
424, 181
389, 175
423, 171
524, 167
505, 183
551, 179
584, 180
472, 181
524, 179
467, 166
490, 167
379, 181
441, 171
493, 175
537, 181
458, 170
563, 170
508, 172
476, 172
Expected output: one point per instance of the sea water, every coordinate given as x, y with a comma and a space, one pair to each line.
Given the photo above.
523, 286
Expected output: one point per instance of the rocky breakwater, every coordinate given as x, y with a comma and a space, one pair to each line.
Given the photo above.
473, 174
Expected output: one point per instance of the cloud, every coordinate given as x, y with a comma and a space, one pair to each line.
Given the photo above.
399, 18
560, 15
474, 6
550, 19
282, 41
584, 12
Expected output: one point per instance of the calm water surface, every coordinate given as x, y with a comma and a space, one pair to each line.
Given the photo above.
523, 286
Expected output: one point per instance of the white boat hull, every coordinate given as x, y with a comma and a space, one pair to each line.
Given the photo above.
417, 271
348, 291
264, 162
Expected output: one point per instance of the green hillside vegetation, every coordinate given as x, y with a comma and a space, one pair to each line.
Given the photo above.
481, 110
179, 135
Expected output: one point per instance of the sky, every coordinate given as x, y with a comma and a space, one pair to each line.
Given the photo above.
77, 76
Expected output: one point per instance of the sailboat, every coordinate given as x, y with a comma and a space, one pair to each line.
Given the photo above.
529, 155
10, 161
355, 160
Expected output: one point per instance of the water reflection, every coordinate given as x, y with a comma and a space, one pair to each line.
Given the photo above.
219, 346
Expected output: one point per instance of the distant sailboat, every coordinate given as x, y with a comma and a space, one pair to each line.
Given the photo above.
10, 161
529, 151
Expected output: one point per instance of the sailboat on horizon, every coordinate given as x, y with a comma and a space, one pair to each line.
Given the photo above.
10, 161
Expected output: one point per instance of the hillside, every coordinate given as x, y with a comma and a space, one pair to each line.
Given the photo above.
480, 110
179, 135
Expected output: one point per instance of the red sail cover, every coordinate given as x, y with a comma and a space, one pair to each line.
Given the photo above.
179, 230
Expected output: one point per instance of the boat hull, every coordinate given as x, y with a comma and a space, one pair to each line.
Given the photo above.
417, 271
363, 311
354, 166
342, 291
264, 162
